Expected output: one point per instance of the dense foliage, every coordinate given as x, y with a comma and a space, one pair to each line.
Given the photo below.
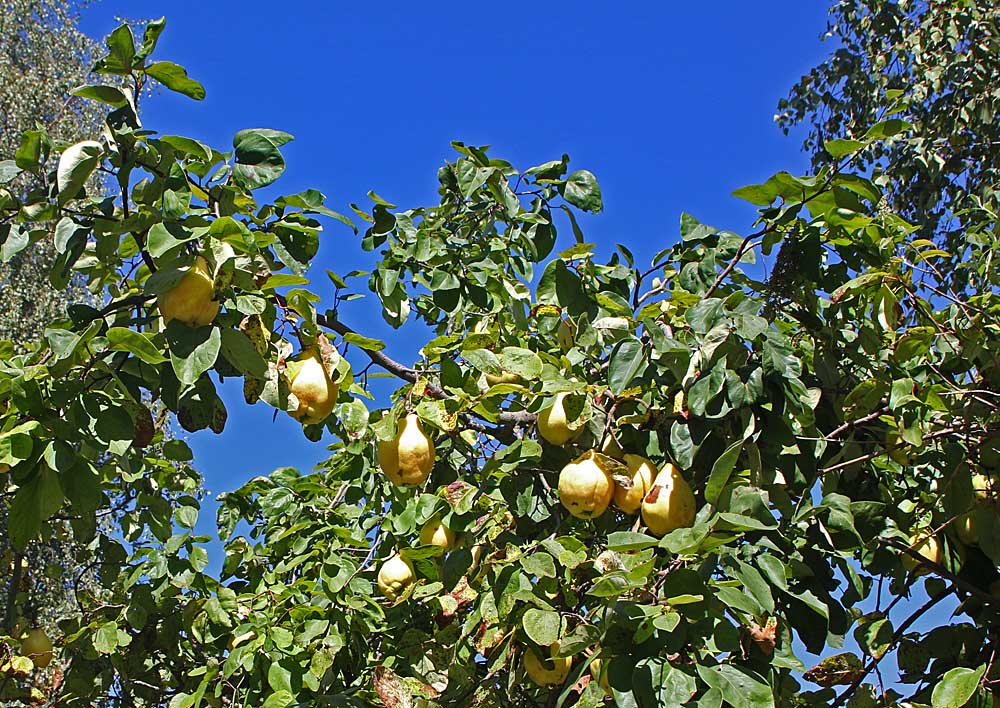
943, 57
43, 55
837, 425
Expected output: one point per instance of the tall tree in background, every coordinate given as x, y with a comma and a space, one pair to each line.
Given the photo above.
43, 55
941, 59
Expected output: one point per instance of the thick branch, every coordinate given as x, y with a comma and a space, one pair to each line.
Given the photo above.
506, 419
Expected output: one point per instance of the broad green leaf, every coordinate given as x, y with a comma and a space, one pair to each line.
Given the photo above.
175, 78
582, 191
957, 687
192, 351
628, 361
738, 686
541, 626
258, 160
76, 164
112, 95
721, 470
125, 339
37, 499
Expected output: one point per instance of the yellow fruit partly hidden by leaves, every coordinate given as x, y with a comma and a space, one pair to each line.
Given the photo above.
38, 647
965, 529
669, 504
435, 533
552, 422
928, 547
565, 335
190, 301
504, 377
985, 488
309, 381
900, 451
395, 576
407, 461
586, 486
643, 473
600, 674
551, 673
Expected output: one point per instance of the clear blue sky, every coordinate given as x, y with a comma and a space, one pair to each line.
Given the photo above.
669, 104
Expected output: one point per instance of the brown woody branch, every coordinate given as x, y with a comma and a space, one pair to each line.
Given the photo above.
507, 420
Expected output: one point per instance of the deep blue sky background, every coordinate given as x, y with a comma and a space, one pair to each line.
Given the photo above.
670, 104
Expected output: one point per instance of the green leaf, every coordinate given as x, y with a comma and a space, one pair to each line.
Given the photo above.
523, 362
839, 147
541, 626
630, 541
957, 687
76, 164
278, 699
582, 191
29, 153
175, 78
112, 95
242, 354
150, 37
258, 160
628, 360
887, 129
36, 500
106, 638
721, 470
193, 351
121, 52
738, 686
125, 339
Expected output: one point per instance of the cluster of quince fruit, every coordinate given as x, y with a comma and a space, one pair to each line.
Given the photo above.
587, 485
192, 301
966, 527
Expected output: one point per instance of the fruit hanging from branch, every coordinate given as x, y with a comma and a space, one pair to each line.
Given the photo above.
408, 459
190, 300
670, 502
586, 485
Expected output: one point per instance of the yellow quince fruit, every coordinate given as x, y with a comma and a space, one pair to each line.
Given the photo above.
311, 383
395, 576
586, 486
190, 301
642, 471
407, 461
669, 504
547, 673
552, 422
38, 647
928, 547
435, 533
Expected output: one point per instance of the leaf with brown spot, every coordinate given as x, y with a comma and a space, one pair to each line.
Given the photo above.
765, 637
391, 689
838, 670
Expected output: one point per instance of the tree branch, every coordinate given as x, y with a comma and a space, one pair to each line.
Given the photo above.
506, 419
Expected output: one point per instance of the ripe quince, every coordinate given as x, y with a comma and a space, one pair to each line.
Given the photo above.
586, 486
552, 675
309, 380
669, 504
190, 301
407, 461
643, 473
395, 576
